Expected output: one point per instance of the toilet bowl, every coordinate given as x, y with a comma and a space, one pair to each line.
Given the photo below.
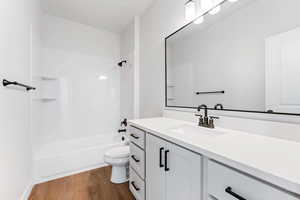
118, 158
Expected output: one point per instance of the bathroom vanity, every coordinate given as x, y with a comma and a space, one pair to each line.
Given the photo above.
177, 160
242, 61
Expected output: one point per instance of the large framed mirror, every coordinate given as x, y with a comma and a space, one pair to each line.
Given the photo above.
244, 58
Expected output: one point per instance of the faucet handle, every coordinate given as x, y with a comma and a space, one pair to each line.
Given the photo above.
219, 106
211, 123
201, 120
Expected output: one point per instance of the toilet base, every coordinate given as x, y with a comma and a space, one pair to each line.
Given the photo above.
120, 174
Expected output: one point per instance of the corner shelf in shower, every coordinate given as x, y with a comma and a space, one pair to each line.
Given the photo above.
47, 90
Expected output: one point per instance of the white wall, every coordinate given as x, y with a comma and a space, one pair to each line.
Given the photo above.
127, 72
160, 20
130, 73
16, 19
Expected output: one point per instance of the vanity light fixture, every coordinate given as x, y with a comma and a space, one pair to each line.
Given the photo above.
190, 10
209, 6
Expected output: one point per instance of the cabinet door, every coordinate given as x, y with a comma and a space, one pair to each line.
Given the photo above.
183, 179
155, 174
224, 183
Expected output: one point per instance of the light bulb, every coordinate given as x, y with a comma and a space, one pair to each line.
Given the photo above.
199, 20
215, 10
190, 10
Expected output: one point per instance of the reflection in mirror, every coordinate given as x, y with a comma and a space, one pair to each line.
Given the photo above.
246, 58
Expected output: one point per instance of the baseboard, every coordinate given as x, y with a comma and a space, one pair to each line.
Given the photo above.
27, 192
62, 175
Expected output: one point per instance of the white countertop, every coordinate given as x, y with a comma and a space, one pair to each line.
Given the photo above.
276, 161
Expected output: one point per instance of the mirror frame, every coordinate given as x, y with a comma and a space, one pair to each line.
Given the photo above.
187, 107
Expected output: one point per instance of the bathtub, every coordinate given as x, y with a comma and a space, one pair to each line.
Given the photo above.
62, 158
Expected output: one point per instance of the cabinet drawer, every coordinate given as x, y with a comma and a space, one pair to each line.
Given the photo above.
137, 136
136, 185
224, 183
137, 160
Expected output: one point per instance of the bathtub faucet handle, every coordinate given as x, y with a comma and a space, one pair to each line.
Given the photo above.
122, 130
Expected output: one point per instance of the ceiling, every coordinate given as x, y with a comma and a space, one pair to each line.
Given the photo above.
112, 15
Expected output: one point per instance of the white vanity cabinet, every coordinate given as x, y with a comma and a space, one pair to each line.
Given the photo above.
225, 183
172, 172
162, 170
137, 163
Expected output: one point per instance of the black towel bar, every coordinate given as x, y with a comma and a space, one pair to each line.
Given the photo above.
213, 92
6, 83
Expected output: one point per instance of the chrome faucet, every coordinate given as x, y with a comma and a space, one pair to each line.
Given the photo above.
206, 121
203, 121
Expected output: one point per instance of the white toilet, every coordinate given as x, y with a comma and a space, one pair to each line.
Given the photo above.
118, 158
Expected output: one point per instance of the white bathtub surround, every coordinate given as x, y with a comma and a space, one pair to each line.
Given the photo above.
78, 58
270, 159
76, 127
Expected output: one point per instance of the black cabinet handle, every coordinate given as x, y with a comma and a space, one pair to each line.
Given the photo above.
166, 161
134, 136
135, 159
229, 191
160, 157
134, 186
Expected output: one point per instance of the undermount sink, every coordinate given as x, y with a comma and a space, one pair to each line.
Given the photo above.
195, 130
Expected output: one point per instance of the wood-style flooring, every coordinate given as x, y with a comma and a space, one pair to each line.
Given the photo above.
91, 185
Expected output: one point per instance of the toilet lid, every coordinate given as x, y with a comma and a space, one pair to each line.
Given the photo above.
118, 152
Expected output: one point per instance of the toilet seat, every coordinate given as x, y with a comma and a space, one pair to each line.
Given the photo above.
118, 152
